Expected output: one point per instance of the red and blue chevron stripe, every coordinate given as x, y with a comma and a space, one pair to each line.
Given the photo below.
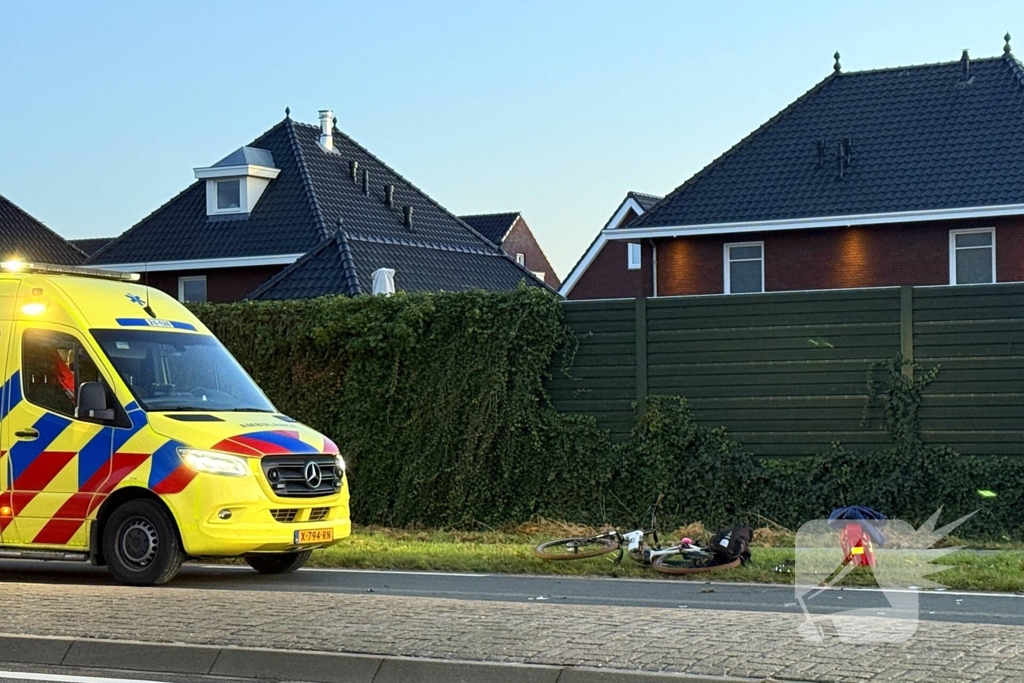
259, 444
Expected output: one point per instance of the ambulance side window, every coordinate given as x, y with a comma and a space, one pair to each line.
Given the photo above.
53, 366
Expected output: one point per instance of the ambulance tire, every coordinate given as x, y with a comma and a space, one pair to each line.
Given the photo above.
140, 544
283, 563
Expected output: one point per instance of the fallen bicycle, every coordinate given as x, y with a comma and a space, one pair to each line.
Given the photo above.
727, 549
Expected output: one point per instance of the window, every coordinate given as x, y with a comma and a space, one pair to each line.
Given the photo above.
972, 256
177, 371
521, 259
53, 366
744, 267
229, 195
192, 288
634, 259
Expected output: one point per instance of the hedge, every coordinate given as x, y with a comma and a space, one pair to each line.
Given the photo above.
438, 403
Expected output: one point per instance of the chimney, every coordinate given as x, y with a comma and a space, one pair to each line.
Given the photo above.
354, 166
408, 218
326, 129
389, 195
366, 182
965, 67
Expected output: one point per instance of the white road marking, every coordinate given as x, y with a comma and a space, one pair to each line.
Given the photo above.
57, 678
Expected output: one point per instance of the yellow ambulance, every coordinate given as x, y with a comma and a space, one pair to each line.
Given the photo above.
131, 438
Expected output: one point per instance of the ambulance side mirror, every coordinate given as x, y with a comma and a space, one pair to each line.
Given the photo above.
92, 402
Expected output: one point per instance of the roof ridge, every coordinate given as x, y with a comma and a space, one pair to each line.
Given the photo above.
307, 182
644, 194
717, 161
44, 227
92, 257
348, 267
926, 65
420, 243
497, 213
413, 187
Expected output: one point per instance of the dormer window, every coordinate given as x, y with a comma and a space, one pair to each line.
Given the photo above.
235, 183
229, 195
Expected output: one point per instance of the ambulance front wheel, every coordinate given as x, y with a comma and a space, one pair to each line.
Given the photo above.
140, 544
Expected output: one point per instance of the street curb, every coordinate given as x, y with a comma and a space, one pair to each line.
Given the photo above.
314, 667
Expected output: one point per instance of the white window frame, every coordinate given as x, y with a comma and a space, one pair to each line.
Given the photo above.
953, 250
241, 195
726, 260
191, 278
634, 255
520, 258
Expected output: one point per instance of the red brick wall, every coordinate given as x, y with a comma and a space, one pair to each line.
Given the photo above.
521, 240
609, 278
223, 285
832, 258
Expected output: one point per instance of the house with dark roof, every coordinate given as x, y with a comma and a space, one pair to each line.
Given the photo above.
305, 211
510, 232
24, 238
899, 176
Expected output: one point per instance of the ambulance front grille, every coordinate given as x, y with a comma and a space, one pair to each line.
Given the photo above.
319, 514
293, 476
285, 516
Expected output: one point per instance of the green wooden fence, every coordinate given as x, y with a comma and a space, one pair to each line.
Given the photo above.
787, 373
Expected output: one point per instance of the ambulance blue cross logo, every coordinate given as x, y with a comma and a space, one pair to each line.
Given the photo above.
136, 299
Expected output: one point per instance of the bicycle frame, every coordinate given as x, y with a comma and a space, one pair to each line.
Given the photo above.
633, 541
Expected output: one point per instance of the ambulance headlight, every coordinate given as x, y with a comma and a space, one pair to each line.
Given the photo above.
212, 462
339, 462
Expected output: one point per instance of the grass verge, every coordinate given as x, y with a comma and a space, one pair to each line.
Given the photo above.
511, 552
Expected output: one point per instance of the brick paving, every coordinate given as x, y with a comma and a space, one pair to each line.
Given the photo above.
708, 642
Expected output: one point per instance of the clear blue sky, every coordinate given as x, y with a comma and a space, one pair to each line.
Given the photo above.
554, 109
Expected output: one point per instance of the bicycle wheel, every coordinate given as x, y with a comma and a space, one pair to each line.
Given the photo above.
690, 563
576, 548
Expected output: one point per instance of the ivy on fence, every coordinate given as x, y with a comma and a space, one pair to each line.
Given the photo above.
438, 403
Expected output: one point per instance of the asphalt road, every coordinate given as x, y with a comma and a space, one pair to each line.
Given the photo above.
668, 593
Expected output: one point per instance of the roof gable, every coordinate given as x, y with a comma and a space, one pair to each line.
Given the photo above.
920, 138
24, 237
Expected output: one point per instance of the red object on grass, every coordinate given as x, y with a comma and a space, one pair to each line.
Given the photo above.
857, 547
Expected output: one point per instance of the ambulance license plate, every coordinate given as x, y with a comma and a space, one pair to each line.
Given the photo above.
307, 536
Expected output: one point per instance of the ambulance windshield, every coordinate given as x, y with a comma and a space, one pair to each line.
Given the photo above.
170, 371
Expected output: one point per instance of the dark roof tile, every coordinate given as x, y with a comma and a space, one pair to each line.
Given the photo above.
493, 226
345, 263
90, 245
24, 237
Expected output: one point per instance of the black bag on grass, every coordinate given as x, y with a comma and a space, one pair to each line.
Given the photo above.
733, 543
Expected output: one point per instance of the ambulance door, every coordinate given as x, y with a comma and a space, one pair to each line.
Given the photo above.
58, 461
8, 298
